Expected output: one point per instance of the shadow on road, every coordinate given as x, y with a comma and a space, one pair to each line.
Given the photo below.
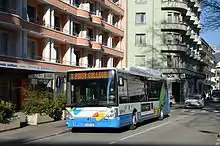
111, 130
22, 143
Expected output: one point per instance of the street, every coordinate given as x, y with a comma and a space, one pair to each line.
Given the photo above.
183, 127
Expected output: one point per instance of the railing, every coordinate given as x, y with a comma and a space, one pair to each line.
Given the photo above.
7, 10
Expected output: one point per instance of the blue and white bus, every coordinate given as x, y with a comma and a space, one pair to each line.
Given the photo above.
114, 98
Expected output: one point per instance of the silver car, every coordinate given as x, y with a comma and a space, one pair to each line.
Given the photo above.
194, 101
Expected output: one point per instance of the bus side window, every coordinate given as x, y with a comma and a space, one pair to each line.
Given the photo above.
123, 92
154, 91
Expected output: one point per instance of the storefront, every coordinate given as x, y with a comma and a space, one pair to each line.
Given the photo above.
14, 77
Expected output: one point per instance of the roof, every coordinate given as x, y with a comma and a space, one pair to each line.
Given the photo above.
140, 71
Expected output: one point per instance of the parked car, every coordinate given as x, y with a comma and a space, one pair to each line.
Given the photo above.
196, 101
215, 96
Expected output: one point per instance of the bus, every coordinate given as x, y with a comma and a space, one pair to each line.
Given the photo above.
115, 98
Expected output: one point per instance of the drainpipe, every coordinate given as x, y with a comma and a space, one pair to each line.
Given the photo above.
152, 55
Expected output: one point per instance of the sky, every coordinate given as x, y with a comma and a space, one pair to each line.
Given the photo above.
211, 37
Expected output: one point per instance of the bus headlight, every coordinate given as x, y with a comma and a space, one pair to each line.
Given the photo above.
112, 114
69, 115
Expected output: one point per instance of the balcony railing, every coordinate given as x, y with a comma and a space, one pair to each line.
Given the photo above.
7, 10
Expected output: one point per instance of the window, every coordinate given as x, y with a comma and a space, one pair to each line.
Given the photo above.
4, 43
140, 1
176, 60
140, 40
78, 56
140, 18
57, 23
176, 17
153, 90
58, 54
136, 86
99, 92
31, 49
169, 17
169, 61
76, 29
140, 60
4, 5
72, 56
91, 62
31, 13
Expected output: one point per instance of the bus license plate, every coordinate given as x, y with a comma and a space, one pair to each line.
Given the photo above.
89, 124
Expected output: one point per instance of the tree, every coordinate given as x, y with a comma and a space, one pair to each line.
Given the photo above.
211, 14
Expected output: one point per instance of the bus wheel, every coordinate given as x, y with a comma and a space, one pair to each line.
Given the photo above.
134, 119
161, 117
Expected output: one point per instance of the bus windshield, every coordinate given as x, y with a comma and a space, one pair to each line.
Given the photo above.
94, 89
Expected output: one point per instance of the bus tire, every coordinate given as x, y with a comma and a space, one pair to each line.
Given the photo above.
134, 119
161, 117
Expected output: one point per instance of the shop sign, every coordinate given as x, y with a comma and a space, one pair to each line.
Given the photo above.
24, 66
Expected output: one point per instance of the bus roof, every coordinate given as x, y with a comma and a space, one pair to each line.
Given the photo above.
140, 71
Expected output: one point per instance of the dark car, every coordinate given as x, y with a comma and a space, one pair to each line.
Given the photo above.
216, 96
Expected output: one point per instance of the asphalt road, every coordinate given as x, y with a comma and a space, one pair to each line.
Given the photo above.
183, 127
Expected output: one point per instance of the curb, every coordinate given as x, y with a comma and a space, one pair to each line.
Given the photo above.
50, 135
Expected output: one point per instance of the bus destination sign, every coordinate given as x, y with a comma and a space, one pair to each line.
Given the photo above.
89, 75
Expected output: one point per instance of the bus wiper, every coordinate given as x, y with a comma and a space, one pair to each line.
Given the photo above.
77, 103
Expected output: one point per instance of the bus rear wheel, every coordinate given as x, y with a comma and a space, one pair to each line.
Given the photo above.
134, 119
161, 117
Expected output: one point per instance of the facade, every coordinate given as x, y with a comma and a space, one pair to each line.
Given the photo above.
164, 35
208, 64
38, 36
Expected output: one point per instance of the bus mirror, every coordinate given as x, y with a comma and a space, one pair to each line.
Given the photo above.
120, 81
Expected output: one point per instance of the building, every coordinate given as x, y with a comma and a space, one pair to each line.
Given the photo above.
38, 36
164, 34
207, 65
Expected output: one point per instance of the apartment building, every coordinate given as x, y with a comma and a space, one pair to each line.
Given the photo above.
209, 63
164, 34
38, 36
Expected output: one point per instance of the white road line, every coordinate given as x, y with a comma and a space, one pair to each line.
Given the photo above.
133, 135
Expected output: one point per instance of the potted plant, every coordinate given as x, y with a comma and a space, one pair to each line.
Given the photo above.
59, 106
37, 107
7, 110
7, 118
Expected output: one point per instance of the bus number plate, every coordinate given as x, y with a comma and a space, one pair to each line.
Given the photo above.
89, 124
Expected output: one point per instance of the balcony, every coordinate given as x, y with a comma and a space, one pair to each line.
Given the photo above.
175, 5
173, 26
95, 19
95, 45
41, 30
193, 35
174, 48
9, 18
112, 28
83, 11
189, 12
193, 17
111, 51
62, 5
113, 6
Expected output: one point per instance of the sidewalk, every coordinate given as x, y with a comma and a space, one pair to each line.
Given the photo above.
31, 133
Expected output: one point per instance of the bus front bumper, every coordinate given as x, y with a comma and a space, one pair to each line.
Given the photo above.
86, 123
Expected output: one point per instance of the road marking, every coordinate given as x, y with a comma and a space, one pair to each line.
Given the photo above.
152, 128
